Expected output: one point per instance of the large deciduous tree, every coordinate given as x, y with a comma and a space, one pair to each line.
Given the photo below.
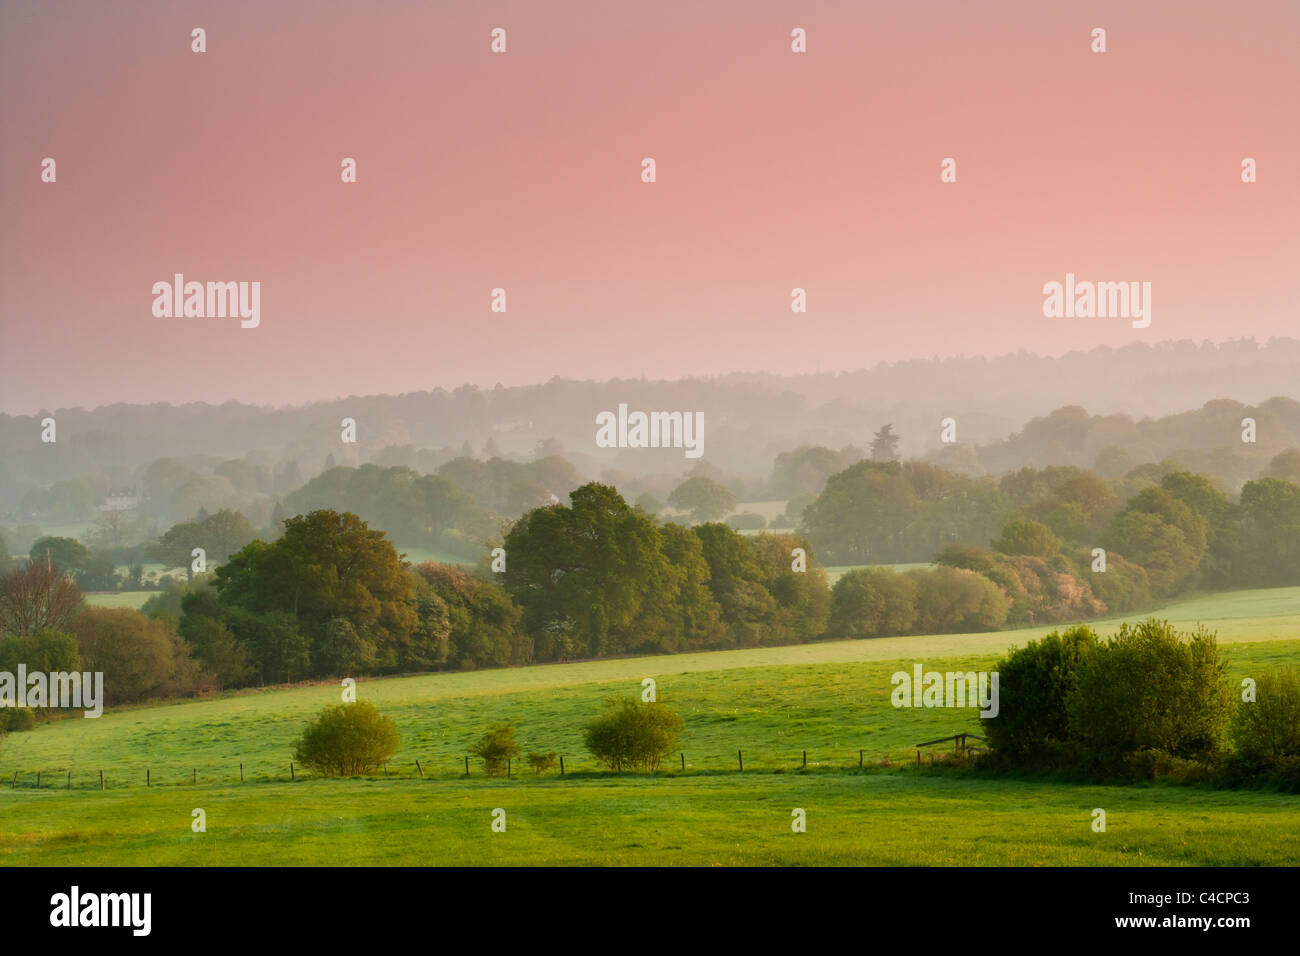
326, 565
703, 497
591, 577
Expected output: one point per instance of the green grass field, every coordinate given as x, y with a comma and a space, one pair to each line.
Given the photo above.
869, 818
830, 699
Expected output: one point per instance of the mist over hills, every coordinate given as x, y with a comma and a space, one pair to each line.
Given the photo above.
750, 417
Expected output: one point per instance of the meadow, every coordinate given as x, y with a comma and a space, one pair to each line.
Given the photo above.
829, 699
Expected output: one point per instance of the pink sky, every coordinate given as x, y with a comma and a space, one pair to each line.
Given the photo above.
522, 170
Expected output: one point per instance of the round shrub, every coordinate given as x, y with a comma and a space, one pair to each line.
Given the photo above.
347, 740
497, 747
631, 735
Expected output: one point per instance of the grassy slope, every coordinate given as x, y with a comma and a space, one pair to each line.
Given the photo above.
830, 699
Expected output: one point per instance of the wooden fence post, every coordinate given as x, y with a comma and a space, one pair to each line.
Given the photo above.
467, 765
859, 758
292, 775
196, 776
38, 780
741, 760
69, 779
683, 762
14, 785
148, 777
419, 768
241, 772
805, 759
561, 765
101, 780
507, 768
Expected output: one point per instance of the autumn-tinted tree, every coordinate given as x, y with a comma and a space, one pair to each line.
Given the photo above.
139, 656
956, 601
37, 598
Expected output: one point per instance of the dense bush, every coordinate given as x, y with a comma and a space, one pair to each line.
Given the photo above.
13, 719
1034, 682
1151, 687
497, 748
631, 735
140, 657
45, 653
541, 762
956, 601
347, 739
872, 602
1269, 727
1040, 591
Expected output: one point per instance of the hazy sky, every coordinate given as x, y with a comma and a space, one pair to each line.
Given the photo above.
523, 171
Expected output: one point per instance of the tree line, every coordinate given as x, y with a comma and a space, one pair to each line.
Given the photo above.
332, 596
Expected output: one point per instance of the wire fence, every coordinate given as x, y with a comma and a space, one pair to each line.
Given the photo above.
118, 778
